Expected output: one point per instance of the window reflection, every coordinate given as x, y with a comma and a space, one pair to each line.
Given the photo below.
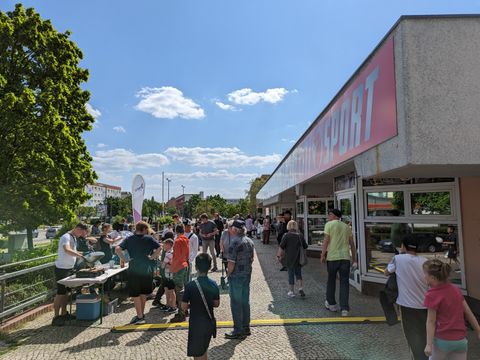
388, 203
315, 231
431, 203
383, 239
300, 209
317, 207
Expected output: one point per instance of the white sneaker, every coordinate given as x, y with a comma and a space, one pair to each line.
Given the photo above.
333, 308
291, 294
344, 313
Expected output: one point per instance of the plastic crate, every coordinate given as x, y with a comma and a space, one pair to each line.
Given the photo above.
88, 307
109, 308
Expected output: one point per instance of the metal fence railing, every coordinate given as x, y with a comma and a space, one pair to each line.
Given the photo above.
27, 283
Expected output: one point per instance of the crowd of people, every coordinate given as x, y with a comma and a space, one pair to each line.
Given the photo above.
432, 309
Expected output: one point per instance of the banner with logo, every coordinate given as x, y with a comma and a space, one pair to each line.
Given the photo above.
138, 191
361, 116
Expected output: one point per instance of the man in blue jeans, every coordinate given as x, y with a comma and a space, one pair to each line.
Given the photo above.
239, 271
337, 245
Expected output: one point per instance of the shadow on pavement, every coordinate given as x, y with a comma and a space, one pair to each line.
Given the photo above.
224, 351
310, 341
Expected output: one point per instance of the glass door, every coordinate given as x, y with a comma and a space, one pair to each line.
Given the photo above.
346, 204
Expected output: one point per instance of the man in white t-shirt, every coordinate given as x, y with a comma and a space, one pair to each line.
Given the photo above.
412, 288
193, 245
67, 255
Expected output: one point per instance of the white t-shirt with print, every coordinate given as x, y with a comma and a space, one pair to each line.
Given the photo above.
167, 261
64, 260
412, 286
193, 241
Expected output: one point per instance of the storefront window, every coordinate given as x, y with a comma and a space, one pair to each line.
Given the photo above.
431, 203
387, 203
345, 206
434, 241
315, 231
330, 204
300, 209
317, 207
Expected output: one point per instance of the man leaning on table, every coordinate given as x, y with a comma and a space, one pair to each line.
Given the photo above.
67, 255
143, 250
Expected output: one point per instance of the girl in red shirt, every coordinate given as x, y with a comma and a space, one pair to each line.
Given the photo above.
446, 331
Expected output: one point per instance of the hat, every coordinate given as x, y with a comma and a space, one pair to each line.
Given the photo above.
239, 224
187, 222
335, 212
410, 242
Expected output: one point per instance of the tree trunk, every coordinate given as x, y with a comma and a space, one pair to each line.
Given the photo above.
30, 238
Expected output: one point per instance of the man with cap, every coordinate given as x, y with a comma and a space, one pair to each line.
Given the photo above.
412, 288
239, 271
337, 245
193, 243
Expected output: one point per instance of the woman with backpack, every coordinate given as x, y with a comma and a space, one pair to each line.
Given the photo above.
292, 250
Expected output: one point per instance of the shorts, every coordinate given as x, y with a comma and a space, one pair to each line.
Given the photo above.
59, 275
447, 346
169, 284
139, 284
180, 278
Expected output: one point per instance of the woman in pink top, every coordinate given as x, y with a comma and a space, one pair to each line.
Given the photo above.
446, 306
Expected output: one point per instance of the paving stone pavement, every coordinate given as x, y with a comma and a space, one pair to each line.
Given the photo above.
39, 340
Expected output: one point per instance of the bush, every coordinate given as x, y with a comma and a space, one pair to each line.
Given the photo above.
165, 220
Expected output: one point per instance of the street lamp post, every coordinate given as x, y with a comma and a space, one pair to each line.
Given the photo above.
183, 194
168, 189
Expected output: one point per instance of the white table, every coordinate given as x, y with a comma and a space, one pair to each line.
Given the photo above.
73, 282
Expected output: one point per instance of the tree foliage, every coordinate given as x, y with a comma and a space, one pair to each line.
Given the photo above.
44, 162
190, 206
255, 186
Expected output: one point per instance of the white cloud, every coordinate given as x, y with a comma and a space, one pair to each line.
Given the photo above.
206, 175
108, 178
226, 106
101, 145
119, 129
247, 96
168, 102
126, 160
220, 157
94, 112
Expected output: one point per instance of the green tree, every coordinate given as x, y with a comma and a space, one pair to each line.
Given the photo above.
86, 212
44, 162
119, 206
151, 208
191, 205
216, 204
255, 186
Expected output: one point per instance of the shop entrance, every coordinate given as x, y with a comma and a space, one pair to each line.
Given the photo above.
346, 203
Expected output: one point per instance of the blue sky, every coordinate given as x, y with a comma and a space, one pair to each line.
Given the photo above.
215, 92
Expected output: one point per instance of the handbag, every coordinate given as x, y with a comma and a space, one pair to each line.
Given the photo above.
303, 260
388, 297
212, 319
